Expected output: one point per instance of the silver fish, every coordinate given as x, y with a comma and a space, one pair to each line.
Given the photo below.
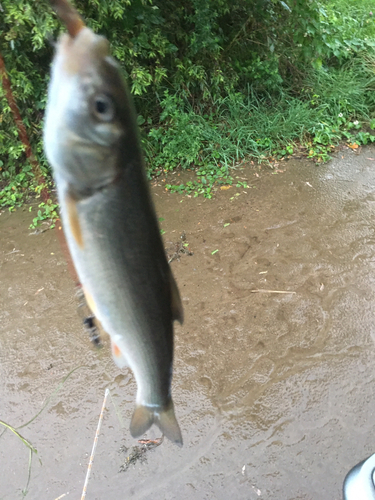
91, 141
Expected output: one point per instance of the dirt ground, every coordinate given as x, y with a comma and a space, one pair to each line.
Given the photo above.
274, 392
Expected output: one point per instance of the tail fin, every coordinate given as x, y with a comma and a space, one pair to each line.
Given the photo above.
164, 418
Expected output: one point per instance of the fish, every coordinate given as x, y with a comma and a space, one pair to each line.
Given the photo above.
91, 141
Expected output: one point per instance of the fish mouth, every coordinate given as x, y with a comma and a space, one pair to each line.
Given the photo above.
75, 56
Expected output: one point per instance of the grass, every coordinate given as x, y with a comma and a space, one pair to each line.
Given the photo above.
354, 18
27, 443
324, 104
335, 104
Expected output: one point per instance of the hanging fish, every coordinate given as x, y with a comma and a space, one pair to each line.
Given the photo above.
91, 141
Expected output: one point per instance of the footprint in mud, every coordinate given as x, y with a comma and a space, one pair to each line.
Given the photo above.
232, 220
261, 261
200, 306
206, 382
229, 321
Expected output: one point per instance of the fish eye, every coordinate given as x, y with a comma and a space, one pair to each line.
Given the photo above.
103, 107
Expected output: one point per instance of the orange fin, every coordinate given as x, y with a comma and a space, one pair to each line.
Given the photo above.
73, 220
165, 419
176, 304
118, 357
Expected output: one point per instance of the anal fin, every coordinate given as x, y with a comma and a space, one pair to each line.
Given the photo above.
176, 304
118, 356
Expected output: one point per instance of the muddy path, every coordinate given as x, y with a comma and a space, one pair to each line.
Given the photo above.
273, 391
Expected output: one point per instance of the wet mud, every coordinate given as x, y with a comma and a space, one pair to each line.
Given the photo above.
274, 392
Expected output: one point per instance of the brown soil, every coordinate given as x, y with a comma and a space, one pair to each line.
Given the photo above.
273, 391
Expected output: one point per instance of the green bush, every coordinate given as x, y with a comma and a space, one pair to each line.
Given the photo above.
213, 81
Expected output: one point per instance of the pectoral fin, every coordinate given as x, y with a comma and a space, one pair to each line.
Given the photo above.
73, 220
177, 309
164, 418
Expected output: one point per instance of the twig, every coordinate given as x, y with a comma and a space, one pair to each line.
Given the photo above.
94, 446
15, 251
271, 291
22, 134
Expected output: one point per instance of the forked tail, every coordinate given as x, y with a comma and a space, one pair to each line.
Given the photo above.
164, 418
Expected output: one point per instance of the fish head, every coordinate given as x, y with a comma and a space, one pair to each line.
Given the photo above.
89, 113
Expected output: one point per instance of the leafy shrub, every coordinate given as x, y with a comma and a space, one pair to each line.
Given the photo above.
213, 81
